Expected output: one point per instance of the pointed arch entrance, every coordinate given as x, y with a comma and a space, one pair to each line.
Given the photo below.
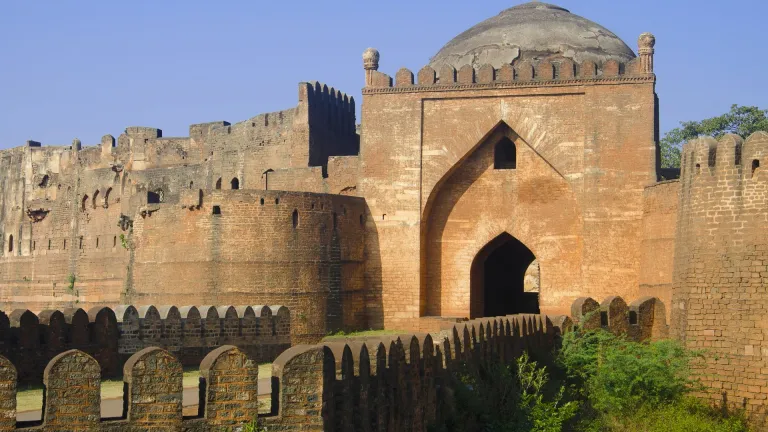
497, 279
489, 221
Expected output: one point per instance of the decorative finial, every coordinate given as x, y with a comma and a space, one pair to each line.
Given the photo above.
645, 44
371, 59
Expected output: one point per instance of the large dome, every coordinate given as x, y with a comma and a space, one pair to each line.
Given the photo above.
532, 31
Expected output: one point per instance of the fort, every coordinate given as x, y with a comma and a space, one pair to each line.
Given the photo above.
523, 155
372, 384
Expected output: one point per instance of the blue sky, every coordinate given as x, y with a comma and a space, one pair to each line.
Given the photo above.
89, 68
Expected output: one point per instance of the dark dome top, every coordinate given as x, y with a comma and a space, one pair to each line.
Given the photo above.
532, 31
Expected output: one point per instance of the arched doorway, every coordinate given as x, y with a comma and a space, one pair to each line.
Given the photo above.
498, 279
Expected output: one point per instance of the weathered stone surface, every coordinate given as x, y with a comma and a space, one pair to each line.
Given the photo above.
528, 31
72, 399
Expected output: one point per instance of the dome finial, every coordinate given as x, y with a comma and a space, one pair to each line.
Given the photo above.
645, 44
371, 59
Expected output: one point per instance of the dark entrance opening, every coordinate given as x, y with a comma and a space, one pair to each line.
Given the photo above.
498, 279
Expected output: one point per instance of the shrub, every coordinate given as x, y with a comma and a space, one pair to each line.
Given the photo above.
627, 386
505, 398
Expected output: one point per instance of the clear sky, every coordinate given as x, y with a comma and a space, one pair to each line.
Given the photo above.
84, 69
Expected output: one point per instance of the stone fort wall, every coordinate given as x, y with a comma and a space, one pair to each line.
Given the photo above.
657, 253
132, 219
586, 142
374, 383
30, 341
721, 264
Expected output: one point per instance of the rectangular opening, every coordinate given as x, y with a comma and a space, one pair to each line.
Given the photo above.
633, 317
201, 390
217, 210
604, 318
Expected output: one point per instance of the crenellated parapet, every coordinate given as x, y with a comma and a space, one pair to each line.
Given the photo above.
152, 393
392, 382
111, 336
643, 319
721, 259
729, 159
526, 73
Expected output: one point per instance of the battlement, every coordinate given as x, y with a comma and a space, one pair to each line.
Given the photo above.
330, 386
643, 319
525, 73
338, 106
111, 336
375, 383
730, 156
555, 72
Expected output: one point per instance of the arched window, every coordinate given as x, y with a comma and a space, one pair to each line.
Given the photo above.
235, 183
95, 198
84, 203
10, 243
218, 183
755, 166
295, 217
505, 155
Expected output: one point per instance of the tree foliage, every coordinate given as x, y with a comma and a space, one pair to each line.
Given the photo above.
740, 120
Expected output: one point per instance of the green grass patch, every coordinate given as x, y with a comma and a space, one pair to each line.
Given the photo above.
362, 333
30, 397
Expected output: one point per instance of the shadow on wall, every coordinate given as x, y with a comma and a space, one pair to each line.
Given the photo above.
373, 301
29, 341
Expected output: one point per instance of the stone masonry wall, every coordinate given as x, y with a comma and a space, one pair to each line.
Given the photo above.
67, 213
587, 137
660, 203
30, 341
721, 265
368, 384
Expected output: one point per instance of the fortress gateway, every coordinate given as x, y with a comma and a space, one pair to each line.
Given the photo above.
516, 172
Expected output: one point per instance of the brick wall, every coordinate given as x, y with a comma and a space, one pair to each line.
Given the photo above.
721, 265
660, 203
587, 146
66, 213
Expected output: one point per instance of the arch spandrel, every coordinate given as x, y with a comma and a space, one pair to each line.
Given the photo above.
453, 128
475, 203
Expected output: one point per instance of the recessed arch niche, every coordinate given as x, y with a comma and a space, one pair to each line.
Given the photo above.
474, 204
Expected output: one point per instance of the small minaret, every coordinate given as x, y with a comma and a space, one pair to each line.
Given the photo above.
370, 64
645, 44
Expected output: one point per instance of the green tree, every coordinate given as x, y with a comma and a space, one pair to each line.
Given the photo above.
741, 120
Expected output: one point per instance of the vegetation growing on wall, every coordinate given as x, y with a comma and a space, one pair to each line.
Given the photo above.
598, 382
637, 386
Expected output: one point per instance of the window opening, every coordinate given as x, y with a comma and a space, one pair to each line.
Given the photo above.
505, 155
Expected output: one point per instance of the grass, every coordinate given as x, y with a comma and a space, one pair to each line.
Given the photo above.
30, 398
364, 333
